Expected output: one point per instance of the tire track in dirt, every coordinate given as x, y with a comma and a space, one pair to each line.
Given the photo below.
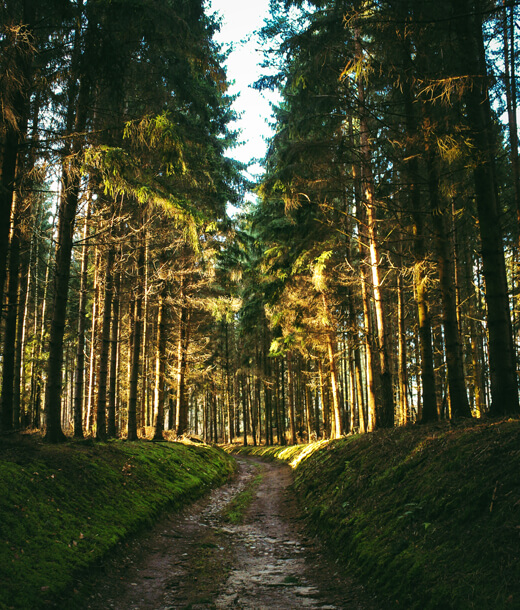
194, 559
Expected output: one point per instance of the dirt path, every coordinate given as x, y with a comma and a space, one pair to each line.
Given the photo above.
197, 560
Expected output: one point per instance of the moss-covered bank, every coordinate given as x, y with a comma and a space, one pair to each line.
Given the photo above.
428, 517
63, 507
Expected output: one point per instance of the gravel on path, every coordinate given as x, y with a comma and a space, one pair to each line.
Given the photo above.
196, 559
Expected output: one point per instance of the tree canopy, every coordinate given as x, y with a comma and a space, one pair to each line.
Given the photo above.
372, 283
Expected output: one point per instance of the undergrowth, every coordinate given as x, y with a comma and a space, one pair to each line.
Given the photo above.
235, 511
63, 507
427, 517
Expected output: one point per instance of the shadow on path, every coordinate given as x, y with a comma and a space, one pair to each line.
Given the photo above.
197, 560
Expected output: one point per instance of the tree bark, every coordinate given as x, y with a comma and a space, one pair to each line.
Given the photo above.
82, 324
22, 53
455, 367
508, 27
429, 393
331, 352
94, 332
101, 407
182, 356
7, 421
160, 367
292, 416
384, 409
67, 216
135, 351
114, 351
502, 360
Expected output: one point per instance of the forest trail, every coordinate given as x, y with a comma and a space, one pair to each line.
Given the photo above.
197, 559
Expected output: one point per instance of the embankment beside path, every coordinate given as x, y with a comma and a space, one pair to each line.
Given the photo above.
63, 507
426, 517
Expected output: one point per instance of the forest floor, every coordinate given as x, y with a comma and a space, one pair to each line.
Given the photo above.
242, 546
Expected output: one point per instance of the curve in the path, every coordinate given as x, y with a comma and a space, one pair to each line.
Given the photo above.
196, 560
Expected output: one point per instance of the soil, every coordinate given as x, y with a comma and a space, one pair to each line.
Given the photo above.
197, 560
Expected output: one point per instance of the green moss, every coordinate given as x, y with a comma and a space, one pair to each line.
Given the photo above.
235, 511
63, 507
427, 517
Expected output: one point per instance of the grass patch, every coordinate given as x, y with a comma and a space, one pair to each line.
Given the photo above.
236, 509
291, 454
427, 517
63, 507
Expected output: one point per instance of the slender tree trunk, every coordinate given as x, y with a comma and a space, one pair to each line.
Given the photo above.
508, 30
135, 342
144, 413
67, 216
372, 364
455, 368
384, 410
40, 326
331, 352
252, 413
429, 394
182, 350
402, 355
94, 331
7, 421
292, 417
283, 410
160, 367
22, 55
502, 359
245, 414
324, 401
230, 411
31, 306
82, 323
114, 351
19, 377
101, 407
7, 180
308, 412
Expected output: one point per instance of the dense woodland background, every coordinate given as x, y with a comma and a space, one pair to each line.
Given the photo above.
373, 283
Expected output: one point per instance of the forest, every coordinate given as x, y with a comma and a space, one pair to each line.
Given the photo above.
374, 281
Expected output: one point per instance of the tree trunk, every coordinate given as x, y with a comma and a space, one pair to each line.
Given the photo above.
94, 331
82, 324
67, 216
114, 351
372, 364
229, 407
7, 178
19, 407
135, 351
502, 360
7, 421
160, 366
308, 412
40, 331
182, 354
384, 410
21, 69
402, 353
455, 368
429, 394
101, 407
144, 418
245, 410
292, 417
508, 30
331, 352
